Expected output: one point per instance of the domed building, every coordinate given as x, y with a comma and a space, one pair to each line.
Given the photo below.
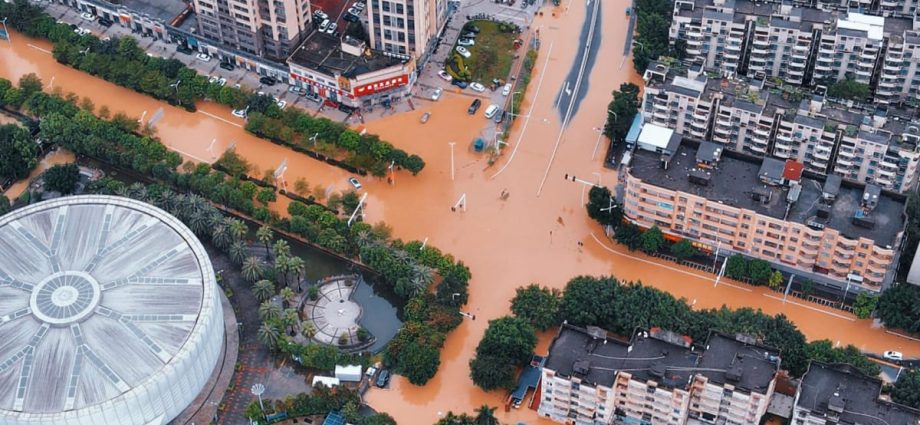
109, 314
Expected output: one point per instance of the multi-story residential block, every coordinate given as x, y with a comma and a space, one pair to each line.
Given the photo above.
850, 47
843, 236
841, 394
899, 75
271, 29
347, 73
656, 378
406, 27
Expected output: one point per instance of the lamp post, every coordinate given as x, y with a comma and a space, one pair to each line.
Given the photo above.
451, 160
257, 390
7, 31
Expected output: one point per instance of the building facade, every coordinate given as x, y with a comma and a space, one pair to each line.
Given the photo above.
406, 27
262, 28
843, 235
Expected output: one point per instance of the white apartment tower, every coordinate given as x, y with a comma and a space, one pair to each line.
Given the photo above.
268, 28
405, 27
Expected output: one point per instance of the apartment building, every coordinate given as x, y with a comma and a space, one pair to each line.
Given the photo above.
899, 78
406, 27
259, 27
150, 18
656, 378
877, 146
850, 47
841, 394
842, 235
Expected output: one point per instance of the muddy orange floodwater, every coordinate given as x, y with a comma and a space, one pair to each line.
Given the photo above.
527, 237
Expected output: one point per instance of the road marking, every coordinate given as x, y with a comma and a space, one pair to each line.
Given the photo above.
568, 111
527, 117
674, 269
902, 335
191, 156
839, 316
38, 48
219, 118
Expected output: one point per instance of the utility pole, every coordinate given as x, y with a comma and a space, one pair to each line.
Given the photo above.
451, 160
788, 287
358, 208
6, 32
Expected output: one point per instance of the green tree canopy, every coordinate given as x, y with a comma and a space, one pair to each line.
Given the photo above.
906, 390
651, 240
899, 307
62, 178
18, 152
683, 249
539, 306
849, 89
601, 208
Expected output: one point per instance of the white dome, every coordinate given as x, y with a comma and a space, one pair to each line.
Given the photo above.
109, 314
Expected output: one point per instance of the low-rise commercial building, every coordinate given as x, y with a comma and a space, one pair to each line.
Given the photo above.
845, 235
346, 72
148, 18
656, 378
841, 394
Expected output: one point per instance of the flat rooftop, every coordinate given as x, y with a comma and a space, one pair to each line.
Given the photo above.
735, 177
323, 52
652, 359
744, 365
574, 344
162, 10
841, 386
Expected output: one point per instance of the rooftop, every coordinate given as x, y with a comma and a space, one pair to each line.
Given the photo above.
323, 52
654, 359
161, 10
734, 180
575, 345
852, 395
745, 365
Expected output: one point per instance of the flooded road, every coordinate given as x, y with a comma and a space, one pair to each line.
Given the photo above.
507, 243
58, 156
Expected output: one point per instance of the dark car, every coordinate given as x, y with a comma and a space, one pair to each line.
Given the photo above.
499, 116
471, 28
459, 83
227, 65
183, 49
351, 18
474, 107
105, 22
268, 81
382, 378
469, 34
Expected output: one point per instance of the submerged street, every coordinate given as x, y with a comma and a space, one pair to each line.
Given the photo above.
531, 236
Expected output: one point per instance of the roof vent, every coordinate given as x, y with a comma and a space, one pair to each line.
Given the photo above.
581, 367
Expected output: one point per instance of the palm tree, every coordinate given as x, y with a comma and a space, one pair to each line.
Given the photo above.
288, 295
198, 220
264, 235
252, 269
289, 318
422, 276
220, 235
485, 415
307, 329
401, 255
269, 311
263, 290
281, 247
237, 229
363, 238
269, 336
123, 191
296, 266
167, 201
138, 191
281, 268
238, 251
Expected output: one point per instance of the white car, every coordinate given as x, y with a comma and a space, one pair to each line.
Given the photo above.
88, 16
437, 94
354, 11
204, 57
214, 79
463, 52
445, 76
222, 82
506, 90
893, 355
358, 5
282, 104
321, 15
478, 87
354, 182
332, 27
491, 111
467, 42
240, 113
324, 25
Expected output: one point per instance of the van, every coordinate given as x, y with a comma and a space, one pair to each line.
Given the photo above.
491, 110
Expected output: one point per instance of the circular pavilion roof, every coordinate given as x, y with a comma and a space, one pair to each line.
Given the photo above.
98, 296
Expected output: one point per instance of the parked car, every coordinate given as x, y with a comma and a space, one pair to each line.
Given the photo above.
424, 118
437, 94
293, 89
462, 51
268, 81
324, 25
88, 16
240, 113
469, 35
506, 90
282, 104
183, 49
354, 182
460, 83
332, 27
82, 31
893, 355
358, 5
474, 107
471, 28
445, 76
352, 10
466, 42
499, 116
105, 22
351, 18
491, 111
320, 15
204, 57
227, 65
478, 87
222, 81
213, 79
383, 378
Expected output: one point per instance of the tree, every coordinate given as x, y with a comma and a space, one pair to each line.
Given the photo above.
350, 412
683, 249
233, 164
906, 389
602, 208
629, 234
849, 88
491, 372
62, 178
776, 279
414, 352
18, 152
269, 336
485, 415
865, 304
237, 252
587, 301
264, 235
737, 267
824, 351
5, 205
266, 195
651, 240
379, 419
621, 110
252, 269
511, 336
539, 306
307, 329
759, 270
288, 295
899, 307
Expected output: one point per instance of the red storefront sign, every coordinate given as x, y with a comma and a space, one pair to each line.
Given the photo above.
379, 86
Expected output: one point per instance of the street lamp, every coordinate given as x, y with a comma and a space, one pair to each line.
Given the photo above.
257, 390
6, 31
451, 160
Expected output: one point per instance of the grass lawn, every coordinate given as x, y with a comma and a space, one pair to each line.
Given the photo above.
493, 53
